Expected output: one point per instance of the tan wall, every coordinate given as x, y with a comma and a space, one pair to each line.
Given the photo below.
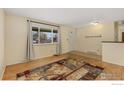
2, 62
94, 44
16, 40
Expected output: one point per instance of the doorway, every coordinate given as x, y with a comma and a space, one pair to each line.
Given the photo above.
71, 40
122, 36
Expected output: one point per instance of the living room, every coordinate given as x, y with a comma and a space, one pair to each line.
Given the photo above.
36, 39
61, 46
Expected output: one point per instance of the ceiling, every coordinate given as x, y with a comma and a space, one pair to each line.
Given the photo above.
70, 16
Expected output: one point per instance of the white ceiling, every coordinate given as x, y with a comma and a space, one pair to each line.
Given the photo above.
70, 16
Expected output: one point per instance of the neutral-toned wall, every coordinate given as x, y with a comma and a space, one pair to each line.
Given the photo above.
16, 40
46, 50
93, 45
68, 39
2, 62
113, 53
120, 30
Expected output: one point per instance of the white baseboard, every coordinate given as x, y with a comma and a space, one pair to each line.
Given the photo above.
1, 77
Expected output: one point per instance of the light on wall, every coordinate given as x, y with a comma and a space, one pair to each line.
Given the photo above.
94, 23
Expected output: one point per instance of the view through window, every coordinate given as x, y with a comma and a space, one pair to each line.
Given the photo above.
44, 35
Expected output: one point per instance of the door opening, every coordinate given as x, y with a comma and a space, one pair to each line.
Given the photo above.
122, 36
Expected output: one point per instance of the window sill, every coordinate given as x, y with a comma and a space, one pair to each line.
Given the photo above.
44, 44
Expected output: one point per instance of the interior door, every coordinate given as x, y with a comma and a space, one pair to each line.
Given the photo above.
71, 40
122, 36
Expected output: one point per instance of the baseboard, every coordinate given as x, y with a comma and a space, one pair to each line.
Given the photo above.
2, 72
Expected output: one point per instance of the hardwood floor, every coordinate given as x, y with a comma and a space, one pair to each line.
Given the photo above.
11, 71
111, 71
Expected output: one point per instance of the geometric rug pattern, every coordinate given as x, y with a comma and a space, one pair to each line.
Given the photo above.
67, 69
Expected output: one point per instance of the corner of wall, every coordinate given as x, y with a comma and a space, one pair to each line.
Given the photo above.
2, 40
3, 70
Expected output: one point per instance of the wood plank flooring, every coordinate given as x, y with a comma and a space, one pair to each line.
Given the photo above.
11, 71
111, 71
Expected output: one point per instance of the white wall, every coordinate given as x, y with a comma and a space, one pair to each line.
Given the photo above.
2, 62
68, 39
46, 50
94, 44
71, 39
120, 30
16, 40
113, 53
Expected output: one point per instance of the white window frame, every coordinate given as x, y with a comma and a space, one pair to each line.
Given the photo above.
39, 26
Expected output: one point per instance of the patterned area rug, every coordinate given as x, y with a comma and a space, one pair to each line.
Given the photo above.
69, 69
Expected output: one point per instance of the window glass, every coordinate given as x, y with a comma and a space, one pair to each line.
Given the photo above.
35, 35
45, 35
55, 36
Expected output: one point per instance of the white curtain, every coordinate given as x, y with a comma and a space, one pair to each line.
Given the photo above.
58, 45
29, 52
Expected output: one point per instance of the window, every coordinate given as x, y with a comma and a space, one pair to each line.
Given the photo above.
55, 36
44, 35
35, 35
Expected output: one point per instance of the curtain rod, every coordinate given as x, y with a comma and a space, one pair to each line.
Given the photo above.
43, 23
